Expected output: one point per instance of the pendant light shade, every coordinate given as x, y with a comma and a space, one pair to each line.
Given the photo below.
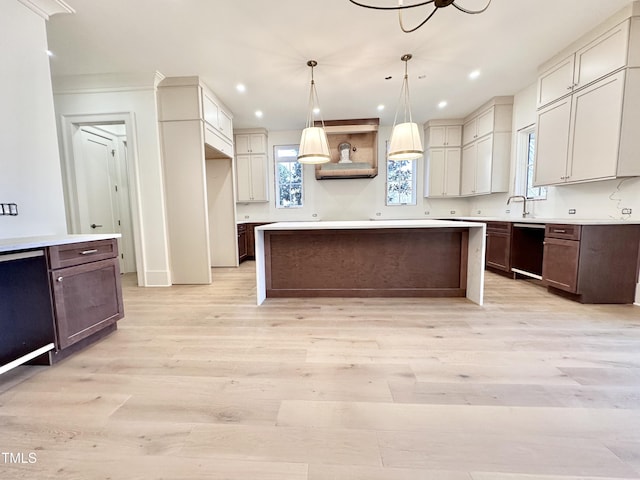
314, 145
405, 141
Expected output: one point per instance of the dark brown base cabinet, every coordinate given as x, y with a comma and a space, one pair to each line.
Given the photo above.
592, 263
242, 242
86, 289
498, 253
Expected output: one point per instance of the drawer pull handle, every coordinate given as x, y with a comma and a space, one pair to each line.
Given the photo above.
559, 231
59, 279
88, 252
93, 225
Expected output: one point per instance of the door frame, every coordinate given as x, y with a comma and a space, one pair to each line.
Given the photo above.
69, 125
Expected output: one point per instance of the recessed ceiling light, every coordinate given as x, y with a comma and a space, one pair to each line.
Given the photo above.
259, 113
316, 110
241, 88
475, 74
442, 104
50, 53
380, 107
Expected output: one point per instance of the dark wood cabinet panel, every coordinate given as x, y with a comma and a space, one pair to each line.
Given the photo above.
87, 298
498, 253
599, 266
242, 242
560, 264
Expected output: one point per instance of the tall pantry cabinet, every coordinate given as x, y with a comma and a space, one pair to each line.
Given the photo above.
197, 149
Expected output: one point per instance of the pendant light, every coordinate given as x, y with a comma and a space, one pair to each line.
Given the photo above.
405, 141
314, 145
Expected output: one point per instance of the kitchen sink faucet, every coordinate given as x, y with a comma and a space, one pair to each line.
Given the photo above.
524, 204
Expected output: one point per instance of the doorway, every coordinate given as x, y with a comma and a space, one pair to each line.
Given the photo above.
100, 182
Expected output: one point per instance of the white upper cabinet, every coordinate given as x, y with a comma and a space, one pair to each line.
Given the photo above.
486, 135
589, 133
443, 172
444, 136
216, 116
252, 166
251, 143
597, 58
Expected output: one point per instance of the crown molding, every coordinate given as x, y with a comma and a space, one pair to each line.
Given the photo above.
47, 8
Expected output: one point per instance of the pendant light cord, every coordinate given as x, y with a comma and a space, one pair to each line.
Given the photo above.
313, 98
405, 99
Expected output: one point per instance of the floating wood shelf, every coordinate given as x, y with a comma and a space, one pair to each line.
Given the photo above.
362, 134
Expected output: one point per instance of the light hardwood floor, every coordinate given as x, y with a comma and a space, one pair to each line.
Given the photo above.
200, 383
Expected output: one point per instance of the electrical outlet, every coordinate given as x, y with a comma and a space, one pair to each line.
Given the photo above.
427, 212
378, 214
507, 211
246, 217
572, 211
315, 215
626, 211
452, 212
479, 212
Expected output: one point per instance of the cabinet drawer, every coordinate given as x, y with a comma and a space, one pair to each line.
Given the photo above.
567, 232
78, 253
499, 227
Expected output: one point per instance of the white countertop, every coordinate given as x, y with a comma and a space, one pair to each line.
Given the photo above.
364, 224
568, 221
26, 243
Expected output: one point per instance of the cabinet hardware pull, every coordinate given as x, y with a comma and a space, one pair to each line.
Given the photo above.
88, 252
93, 225
569, 87
59, 279
559, 231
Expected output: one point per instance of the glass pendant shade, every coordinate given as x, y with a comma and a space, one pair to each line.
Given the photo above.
405, 142
314, 146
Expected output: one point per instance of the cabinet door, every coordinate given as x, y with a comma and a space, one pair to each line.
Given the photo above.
603, 56
485, 122
560, 264
453, 134
556, 82
469, 131
210, 111
225, 125
596, 120
242, 242
259, 178
484, 164
468, 170
499, 251
437, 136
552, 143
436, 173
452, 172
258, 142
243, 178
243, 144
86, 299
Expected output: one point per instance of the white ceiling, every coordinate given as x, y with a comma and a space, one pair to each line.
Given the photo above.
266, 44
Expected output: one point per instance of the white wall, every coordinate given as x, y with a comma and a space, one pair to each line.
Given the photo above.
29, 161
96, 95
345, 199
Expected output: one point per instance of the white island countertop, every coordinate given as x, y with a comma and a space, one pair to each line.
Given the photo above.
27, 243
363, 224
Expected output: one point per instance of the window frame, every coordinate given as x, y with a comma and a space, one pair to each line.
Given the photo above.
525, 161
276, 162
414, 182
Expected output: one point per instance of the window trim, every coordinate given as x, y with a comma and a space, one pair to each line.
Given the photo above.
522, 164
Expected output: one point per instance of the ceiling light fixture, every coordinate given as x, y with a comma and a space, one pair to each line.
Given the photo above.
405, 141
475, 74
314, 145
241, 88
442, 104
259, 113
435, 3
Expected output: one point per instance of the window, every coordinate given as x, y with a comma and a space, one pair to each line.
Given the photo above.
526, 161
288, 176
401, 182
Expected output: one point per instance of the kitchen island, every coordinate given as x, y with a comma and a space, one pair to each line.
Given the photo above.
387, 258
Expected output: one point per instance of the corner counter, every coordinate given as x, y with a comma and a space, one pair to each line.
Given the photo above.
385, 258
58, 294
